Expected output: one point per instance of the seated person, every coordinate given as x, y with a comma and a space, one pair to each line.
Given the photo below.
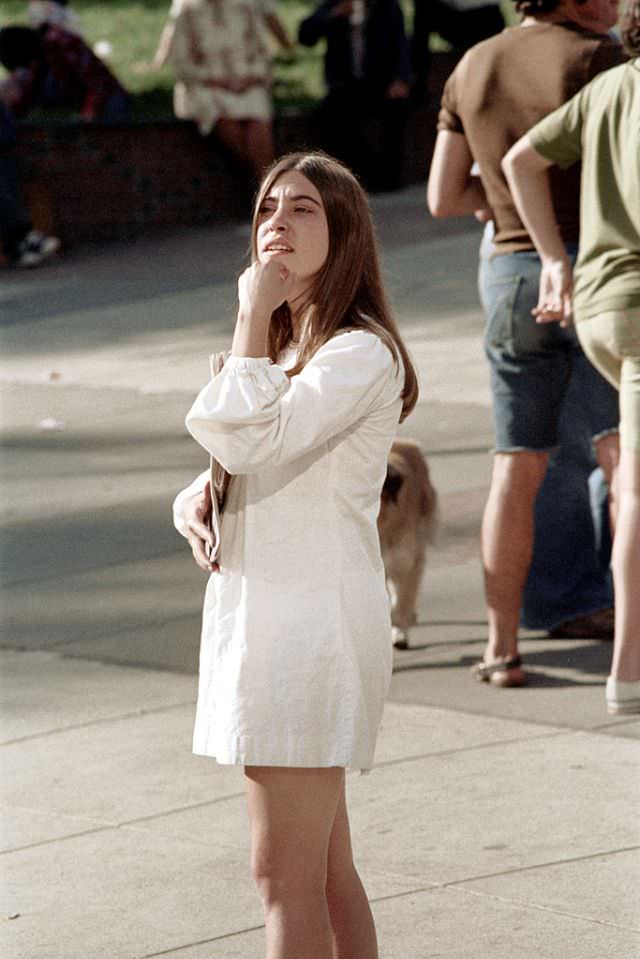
19, 242
50, 67
221, 59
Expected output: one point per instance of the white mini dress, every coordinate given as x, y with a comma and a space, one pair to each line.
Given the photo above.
222, 61
296, 646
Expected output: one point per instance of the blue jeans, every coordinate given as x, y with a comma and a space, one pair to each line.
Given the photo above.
15, 222
569, 574
548, 397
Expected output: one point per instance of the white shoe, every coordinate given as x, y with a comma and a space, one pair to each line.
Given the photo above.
36, 248
622, 698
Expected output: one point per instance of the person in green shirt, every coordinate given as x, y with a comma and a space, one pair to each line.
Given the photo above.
600, 127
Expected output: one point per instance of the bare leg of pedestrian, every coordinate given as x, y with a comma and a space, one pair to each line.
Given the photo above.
354, 933
507, 546
311, 894
607, 452
626, 571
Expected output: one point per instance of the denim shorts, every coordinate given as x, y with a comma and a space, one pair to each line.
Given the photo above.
531, 363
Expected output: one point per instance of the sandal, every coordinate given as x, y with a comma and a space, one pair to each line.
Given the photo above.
506, 672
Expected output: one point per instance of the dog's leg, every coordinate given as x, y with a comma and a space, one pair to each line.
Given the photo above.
404, 614
400, 637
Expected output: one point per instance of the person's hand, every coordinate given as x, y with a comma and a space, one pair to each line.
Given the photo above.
483, 215
554, 297
143, 68
196, 511
263, 287
399, 90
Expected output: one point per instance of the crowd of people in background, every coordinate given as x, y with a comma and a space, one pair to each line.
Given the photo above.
556, 416
498, 91
221, 58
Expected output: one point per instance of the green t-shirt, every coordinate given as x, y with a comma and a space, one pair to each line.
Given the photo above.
601, 127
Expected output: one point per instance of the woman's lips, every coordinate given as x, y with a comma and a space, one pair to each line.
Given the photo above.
278, 248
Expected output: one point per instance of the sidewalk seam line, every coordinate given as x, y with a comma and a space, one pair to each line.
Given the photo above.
126, 824
201, 942
136, 714
543, 865
512, 719
556, 912
454, 751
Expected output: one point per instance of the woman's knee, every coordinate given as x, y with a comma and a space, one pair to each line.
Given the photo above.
519, 473
342, 880
280, 878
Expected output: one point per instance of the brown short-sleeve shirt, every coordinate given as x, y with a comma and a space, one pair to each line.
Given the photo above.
505, 85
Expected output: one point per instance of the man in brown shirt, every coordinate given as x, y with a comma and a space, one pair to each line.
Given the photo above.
496, 93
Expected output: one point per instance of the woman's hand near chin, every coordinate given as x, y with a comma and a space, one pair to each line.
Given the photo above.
262, 288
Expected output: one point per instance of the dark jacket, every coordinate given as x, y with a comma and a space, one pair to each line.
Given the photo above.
386, 51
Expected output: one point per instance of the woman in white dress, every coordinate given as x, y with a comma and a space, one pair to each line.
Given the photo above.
296, 650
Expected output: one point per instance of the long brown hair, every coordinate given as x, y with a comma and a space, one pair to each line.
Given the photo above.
630, 27
347, 292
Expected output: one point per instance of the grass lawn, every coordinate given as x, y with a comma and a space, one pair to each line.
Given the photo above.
132, 27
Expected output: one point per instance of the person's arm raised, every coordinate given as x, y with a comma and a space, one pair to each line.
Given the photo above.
262, 288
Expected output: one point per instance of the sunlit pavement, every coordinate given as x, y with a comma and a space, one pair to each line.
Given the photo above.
498, 823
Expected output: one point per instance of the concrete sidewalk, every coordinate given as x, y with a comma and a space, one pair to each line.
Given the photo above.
498, 823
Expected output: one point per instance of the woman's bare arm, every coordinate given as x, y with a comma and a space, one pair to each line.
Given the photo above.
527, 173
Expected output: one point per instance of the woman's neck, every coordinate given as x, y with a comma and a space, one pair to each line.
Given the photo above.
299, 315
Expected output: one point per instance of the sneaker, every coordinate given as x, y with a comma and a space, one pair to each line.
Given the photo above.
622, 697
36, 248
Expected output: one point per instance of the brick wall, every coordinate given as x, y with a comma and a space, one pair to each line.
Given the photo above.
89, 182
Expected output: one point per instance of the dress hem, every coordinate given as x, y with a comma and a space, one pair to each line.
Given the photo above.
363, 769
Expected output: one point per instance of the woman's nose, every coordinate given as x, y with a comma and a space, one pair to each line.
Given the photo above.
278, 220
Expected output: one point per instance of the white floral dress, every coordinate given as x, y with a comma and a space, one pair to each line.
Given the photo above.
222, 62
296, 651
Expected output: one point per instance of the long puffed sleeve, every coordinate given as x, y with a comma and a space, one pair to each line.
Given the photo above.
197, 486
251, 414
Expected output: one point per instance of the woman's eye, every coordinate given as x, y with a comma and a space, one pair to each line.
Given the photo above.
302, 209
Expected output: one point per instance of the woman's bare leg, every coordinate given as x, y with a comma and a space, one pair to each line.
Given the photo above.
231, 135
250, 140
354, 933
292, 813
258, 146
626, 570
607, 452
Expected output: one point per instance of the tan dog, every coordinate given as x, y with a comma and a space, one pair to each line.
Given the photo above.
406, 523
